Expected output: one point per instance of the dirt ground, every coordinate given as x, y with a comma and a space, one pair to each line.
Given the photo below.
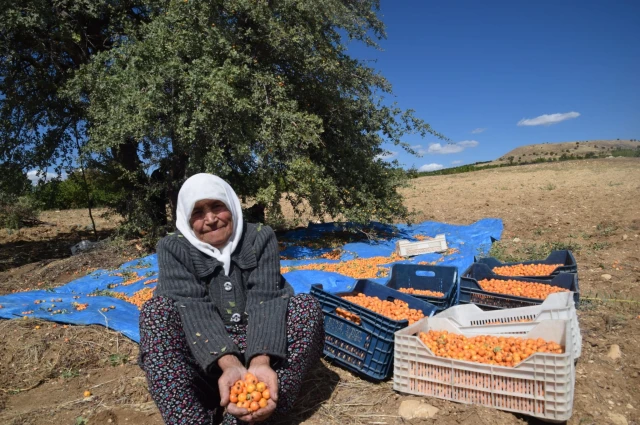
589, 206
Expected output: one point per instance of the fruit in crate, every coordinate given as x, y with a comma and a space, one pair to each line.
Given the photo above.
495, 350
519, 288
394, 310
426, 292
348, 315
526, 269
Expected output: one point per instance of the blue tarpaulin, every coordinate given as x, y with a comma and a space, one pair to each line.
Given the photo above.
88, 300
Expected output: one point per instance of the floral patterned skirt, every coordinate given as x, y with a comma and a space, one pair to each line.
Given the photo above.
185, 394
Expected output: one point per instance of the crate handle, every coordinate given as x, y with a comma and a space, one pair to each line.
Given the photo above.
426, 273
352, 317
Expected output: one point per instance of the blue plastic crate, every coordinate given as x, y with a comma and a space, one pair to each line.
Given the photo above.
563, 257
365, 348
472, 293
434, 278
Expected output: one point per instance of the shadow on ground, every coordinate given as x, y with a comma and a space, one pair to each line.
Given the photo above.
19, 253
317, 388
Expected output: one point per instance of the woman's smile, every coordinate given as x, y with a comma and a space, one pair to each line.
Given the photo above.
212, 222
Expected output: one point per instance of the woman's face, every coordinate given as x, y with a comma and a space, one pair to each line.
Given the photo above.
212, 222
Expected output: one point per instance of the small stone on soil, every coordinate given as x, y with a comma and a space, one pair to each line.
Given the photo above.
606, 276
614, 352
618, 419
410, 409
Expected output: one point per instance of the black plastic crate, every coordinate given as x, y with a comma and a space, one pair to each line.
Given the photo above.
472, 293
434, 278
365, 348
564, 257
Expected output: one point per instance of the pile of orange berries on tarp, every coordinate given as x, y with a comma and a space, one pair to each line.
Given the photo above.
501, 351
526, 269
358, 268
250, 394
426, 292
518, 288
394, 310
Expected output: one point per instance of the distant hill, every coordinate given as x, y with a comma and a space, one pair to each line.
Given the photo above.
530, 153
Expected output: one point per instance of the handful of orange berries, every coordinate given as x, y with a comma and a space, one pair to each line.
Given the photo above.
250, 394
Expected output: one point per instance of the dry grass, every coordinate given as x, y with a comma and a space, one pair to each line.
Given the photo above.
332, 395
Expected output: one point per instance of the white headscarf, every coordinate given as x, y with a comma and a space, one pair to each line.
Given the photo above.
207, 186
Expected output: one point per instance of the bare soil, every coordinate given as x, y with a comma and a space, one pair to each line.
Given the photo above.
589, 206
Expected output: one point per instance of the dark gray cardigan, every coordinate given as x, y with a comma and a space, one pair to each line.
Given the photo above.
254, 293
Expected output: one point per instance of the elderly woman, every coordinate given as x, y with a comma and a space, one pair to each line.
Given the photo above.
222, 308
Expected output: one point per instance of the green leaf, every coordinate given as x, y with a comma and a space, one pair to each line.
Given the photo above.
140, 101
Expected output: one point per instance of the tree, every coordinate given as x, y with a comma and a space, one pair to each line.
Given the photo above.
44, 43
261, 93
14, 181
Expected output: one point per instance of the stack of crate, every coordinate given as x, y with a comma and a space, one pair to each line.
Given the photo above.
376, 347
542, 385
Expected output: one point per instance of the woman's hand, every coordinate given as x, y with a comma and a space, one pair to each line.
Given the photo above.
260, 366
232, 371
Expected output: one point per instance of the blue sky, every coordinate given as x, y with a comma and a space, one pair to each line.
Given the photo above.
487, 66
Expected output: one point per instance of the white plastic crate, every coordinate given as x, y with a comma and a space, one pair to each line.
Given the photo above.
406, 248
471, 319
541, 386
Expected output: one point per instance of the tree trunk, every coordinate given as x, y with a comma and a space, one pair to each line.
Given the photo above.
177, 174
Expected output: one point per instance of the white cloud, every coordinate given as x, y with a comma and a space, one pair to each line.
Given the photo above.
468, 143
548, 119
415, 147
444, 148
456, 162
387, 155
478, 130
431, 167
450, 147
35, 178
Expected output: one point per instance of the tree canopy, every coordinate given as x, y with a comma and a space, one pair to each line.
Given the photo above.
262, 93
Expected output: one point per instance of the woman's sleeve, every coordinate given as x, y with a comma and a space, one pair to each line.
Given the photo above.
202, 324
267, 300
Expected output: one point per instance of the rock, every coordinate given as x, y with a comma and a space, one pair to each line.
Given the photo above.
629, 406
606, 276
614, 352
516, 240
625, 237
617, 419
410, 409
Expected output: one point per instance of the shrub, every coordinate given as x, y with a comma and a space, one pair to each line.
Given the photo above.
17, 211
